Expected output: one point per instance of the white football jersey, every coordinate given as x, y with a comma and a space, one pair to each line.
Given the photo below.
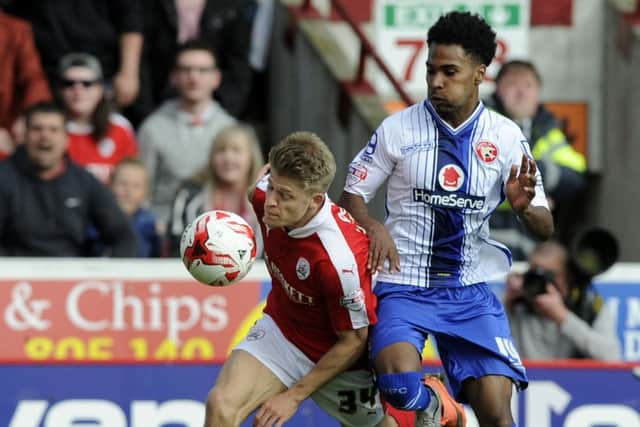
443, 184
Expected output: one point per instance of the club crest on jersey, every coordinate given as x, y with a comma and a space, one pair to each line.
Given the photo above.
487, 151
106, 147
451, 177
354, 300
303, 269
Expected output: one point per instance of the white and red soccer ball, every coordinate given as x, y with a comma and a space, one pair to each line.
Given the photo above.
218, 248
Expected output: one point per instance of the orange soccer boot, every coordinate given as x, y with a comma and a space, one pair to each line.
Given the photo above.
449, 413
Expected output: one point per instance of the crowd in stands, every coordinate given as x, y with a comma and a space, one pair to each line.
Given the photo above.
159, 80
151, 96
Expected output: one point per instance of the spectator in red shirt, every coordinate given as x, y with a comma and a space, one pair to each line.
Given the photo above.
98, 138
23, 82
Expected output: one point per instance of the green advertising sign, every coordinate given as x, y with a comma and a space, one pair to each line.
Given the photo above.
413, 14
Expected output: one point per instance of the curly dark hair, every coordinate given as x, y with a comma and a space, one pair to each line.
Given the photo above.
467, 30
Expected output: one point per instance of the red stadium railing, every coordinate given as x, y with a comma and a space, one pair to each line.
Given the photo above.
366, 49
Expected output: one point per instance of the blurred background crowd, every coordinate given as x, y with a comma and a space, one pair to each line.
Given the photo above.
162, 102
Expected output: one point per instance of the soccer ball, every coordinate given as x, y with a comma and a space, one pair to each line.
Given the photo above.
218, 248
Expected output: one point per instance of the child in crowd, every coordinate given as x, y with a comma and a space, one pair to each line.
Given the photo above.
234, 161
130, 186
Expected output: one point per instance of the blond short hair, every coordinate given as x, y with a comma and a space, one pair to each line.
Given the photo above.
132, 162
303, 156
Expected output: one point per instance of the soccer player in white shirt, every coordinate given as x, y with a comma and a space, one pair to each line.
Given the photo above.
449, 162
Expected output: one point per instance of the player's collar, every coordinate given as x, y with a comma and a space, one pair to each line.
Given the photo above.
463, 125
314, 223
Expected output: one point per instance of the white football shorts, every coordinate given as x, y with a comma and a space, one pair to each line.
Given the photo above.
351, 398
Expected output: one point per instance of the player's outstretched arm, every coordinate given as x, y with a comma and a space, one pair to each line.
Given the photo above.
521, 189
281, 407
381, 244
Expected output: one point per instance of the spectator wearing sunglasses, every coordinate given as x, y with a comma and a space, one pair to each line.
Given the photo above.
98, 137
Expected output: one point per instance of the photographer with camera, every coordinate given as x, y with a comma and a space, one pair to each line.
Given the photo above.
553, 310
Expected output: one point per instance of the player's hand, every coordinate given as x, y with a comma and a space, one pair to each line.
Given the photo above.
381, 247
276, 411
521, 185
551, 305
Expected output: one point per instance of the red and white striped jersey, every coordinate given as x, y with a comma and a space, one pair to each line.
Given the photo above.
320, 281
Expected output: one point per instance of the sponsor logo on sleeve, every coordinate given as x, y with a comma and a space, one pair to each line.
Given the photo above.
354, 300
366, 155
357, 173
256, 334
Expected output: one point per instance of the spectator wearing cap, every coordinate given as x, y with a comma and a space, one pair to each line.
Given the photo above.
98, 138
47, 203
175, 139
23, 82
111, 30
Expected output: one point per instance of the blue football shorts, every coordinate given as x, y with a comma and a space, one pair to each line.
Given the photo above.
468, 323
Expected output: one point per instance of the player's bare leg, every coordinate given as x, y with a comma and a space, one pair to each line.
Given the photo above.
242, 386
387, 421
490, 398
398, 357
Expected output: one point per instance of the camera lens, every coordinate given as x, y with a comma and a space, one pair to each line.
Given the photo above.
535, 282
